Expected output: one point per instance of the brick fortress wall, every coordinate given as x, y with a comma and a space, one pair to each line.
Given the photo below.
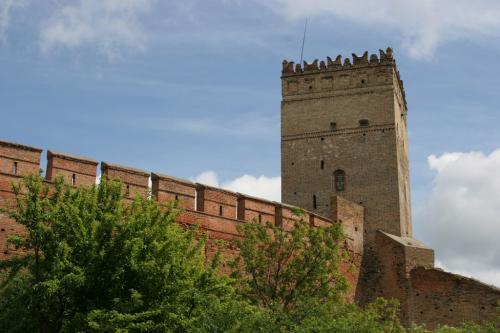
217, 211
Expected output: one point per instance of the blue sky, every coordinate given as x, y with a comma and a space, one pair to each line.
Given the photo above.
187, 87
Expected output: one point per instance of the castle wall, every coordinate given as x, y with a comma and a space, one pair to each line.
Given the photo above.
16, 161
255, 209
397, 256
351, 216
429, 296
201, 204
75, 170
442, 298
165, 188
216, 201
134, 181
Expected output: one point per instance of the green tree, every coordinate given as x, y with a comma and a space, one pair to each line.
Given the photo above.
280, 269
95, 263
295, 276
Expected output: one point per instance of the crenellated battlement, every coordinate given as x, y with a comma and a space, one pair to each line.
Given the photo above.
384, 58
17, 161
297, 80
217, 211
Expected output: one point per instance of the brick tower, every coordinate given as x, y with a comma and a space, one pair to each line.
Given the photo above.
343, 132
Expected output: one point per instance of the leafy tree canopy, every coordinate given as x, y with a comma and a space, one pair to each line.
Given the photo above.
97, 263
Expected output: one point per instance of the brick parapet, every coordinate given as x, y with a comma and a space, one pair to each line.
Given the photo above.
75, 170
134, 181
257, 209
20, 160
167, 188
216, 201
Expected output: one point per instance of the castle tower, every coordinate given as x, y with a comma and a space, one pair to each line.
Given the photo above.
343, 132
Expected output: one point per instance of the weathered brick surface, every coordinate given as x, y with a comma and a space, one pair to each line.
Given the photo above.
256, 209
134, 181
166, 188
351, 216
75, 170
16, 161
21, 160
216, 201
397, 256
7, 225
438, 297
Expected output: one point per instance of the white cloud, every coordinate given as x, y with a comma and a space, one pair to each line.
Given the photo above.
423, 25
208, 178
110, 25
461, 218
6, 7
263, 187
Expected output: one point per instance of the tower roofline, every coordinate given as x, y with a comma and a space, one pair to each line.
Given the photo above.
385, 58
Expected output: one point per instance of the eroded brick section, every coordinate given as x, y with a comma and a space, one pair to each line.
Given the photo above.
216, 201
439, 298
255, 209
75, 170
166, 188
134, 181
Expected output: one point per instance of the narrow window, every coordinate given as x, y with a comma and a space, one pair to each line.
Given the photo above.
14, 168
339, 180
220, 210
333, 126
315, 203
322, 166
73, 179
364, 123
260, 218
176, 198
127, 190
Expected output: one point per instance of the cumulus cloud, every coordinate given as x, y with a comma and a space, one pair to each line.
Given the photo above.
423, 25
110, 25
262, 186
208, 178
461, 218
6, 7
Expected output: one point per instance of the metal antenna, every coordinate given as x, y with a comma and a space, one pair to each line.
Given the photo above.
303, 42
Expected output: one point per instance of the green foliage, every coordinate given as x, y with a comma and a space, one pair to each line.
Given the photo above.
279, 269
295, 276
95, 263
